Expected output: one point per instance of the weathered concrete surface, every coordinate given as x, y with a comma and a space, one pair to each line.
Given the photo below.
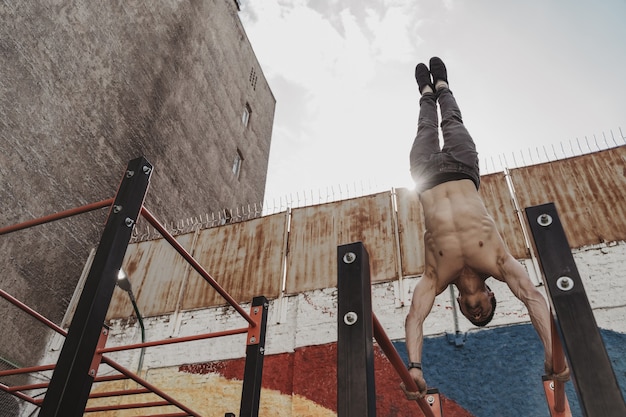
85, 87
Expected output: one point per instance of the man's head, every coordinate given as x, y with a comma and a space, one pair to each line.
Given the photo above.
479, 307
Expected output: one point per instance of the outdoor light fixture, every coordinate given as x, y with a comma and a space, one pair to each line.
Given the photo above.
124, 283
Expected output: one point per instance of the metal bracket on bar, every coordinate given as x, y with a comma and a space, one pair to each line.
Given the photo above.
97, 357
434, 402
254, 332
549, 388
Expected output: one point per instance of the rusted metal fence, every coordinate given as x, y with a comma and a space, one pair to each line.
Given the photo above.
292, 251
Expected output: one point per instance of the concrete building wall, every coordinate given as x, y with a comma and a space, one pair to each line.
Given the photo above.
87, 86
505, 360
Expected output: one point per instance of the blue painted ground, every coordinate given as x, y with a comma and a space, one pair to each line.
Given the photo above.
497, 373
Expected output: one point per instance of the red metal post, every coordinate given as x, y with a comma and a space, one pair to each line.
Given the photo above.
558, 366
180, 249
396, 361
555, 390
56, 216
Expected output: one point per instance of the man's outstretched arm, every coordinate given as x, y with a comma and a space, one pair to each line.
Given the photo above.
421, 304
523, 288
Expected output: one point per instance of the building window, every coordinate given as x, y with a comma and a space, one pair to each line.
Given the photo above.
237, 164
245, 117
253, 77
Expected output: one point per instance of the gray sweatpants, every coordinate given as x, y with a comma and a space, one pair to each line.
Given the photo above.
432, 165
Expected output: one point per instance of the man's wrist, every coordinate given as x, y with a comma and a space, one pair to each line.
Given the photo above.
414, 365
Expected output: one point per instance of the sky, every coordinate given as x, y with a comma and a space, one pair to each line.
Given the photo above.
535, 80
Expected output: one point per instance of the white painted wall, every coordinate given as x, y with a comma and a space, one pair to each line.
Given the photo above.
310, 318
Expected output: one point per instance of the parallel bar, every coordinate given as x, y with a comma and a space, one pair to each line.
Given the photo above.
356, 390
255, 353
148, 385
180, 249
174, 340
558, 366
71, 382
594, 379
56, 216
396, 361
549, 388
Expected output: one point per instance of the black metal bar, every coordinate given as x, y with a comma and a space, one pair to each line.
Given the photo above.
72, 378
594, 379
356, 391
255, 353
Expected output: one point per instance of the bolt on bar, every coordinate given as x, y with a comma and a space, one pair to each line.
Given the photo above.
392, 354
179, 248
56, 216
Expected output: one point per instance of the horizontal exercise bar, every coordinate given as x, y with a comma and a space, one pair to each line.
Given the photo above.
392, 354
148, 385
173, 340
56, 216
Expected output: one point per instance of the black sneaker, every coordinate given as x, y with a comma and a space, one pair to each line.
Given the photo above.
422, 75
438, 70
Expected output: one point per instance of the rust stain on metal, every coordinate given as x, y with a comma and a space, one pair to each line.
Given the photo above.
244, 258
316, 231
589, 192
411, 230
247, 258
497, 198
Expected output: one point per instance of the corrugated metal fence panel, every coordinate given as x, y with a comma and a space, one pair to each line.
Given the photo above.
589, 192
156, 271
497, 198
244, 258
316, 231
411, 230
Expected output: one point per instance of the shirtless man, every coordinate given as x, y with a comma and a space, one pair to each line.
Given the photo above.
463, 246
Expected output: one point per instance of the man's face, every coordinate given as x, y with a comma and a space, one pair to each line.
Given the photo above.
476, 307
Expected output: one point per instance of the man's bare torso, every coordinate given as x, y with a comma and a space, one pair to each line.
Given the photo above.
461, 237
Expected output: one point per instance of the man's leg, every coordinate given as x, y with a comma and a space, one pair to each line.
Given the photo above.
456, 139
426, 141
